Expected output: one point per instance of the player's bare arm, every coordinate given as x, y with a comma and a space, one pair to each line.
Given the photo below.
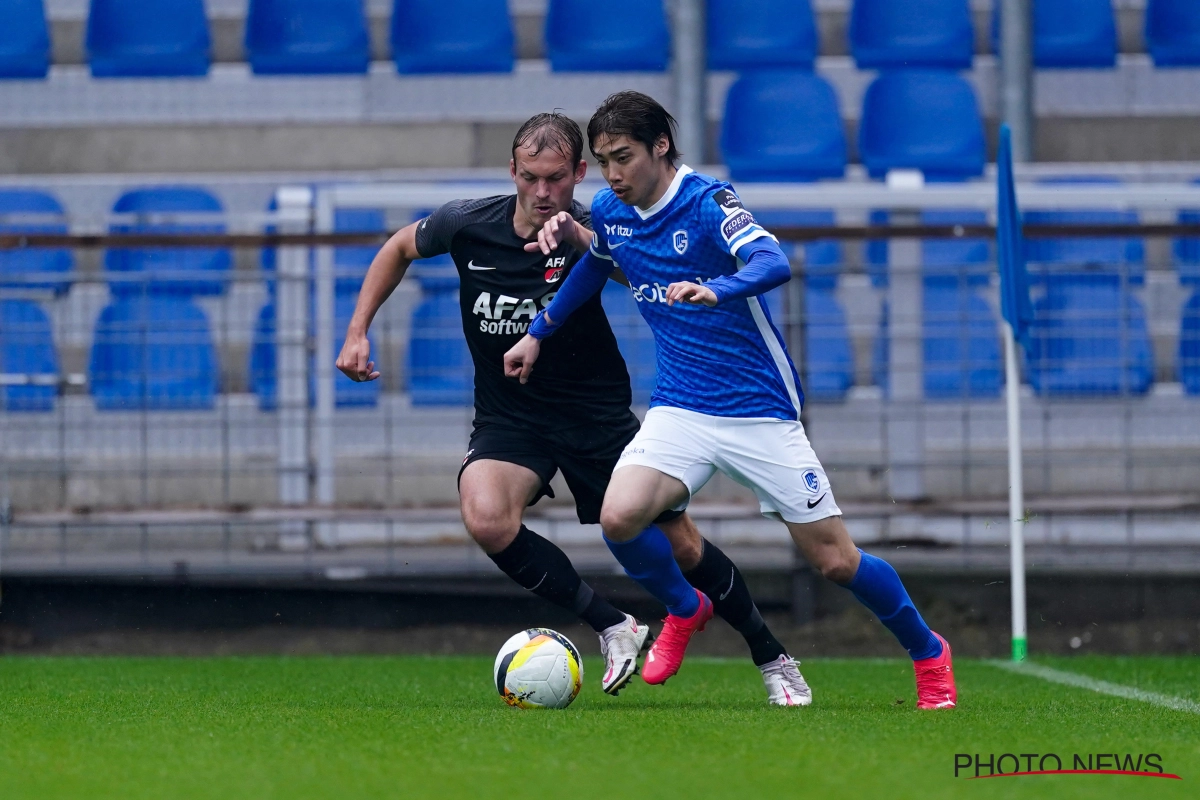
518, 362
386, 271
561, 228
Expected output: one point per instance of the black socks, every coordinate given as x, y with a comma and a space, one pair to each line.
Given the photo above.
721, 580
541, 567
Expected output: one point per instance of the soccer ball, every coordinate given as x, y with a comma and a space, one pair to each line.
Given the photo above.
538, 668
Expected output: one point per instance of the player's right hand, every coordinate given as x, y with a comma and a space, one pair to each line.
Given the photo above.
560, 228
355, 359
518, 362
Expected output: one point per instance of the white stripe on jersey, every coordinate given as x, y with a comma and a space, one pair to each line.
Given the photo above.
780, 358
750, 235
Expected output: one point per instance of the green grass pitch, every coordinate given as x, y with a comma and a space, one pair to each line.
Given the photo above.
412, 727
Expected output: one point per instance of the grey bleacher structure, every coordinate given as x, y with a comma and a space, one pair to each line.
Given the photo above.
233, 121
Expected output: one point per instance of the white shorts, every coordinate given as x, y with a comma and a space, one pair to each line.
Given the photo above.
772, 457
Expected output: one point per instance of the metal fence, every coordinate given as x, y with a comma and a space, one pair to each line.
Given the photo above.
167, 407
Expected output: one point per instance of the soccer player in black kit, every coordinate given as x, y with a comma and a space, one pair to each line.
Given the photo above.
572, 416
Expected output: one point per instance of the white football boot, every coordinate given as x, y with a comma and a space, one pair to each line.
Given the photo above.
785, 684
621, 644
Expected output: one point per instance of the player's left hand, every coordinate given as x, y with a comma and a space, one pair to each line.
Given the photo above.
691, 293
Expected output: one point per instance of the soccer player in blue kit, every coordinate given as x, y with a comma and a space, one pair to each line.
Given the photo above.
728, 397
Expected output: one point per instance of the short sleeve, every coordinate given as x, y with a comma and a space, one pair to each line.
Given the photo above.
726, 220
599, 246
436, 232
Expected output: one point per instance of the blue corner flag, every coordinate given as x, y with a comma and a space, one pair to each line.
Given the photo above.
1015, 304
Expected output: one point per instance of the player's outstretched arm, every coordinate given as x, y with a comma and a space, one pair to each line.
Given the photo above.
562, 227
387, 268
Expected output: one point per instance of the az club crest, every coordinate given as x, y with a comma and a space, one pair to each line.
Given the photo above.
680, 241
811, 481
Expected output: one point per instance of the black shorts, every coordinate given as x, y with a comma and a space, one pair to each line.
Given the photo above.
586, 456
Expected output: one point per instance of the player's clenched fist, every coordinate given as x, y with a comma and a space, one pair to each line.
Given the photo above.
560, 228
693, 293
518, 362
355, 358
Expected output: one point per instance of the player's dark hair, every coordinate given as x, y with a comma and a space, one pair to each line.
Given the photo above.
554, 130
636, 115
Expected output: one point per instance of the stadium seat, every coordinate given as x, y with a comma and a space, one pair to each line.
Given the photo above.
28, 360
263, 364
635, 339
24, 39
783, 125
907, 34
147, 38
168, 270
960, 343
448, 36
1089, 337
1189, 345
765, 34
21, 269
439, 367
153, 353
307, 37
922, 119
1187, 251
614, 36
968, 260
1173, 32
351, 263
1069, 34
1075, 255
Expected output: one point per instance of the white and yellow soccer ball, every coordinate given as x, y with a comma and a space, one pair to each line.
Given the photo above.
538, 668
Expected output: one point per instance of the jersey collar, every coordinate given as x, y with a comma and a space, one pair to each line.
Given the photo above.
668, 195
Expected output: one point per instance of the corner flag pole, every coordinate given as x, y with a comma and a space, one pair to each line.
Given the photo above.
1018, 315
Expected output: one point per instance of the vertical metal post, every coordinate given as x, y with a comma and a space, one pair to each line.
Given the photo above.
906, 362
690, 72
291, 346
1016, 75
324, 371
1016, 494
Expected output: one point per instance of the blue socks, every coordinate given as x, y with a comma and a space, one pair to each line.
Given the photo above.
878, 587
647, 558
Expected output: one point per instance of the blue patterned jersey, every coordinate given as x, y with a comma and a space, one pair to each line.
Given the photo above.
726, 361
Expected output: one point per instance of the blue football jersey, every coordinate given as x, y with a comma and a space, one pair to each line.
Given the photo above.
726, 361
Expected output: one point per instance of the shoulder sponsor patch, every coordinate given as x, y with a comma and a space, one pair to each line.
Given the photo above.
735, 224
729, 202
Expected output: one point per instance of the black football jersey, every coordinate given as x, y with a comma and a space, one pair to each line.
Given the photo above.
580, 376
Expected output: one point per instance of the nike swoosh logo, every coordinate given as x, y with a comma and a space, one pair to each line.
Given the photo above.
730, 589
471, 265
539, 583
424, 222
618, 244
813, 503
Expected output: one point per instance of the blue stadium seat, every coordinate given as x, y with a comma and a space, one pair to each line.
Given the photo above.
28, 359
21, 269
783, 125
1111, 254
168, 270
1069, 34
1189, 345
968, 260
763, 34
351, 263
614, 36
1173, 32
263, 365
439, 367
24, 39
635, 339
153, 353
960, 343
1089, 337
307, 37
448, 36
147, 38
906, 34
1187, 251
922, 119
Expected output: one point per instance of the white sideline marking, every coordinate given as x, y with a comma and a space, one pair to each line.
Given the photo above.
1096, 685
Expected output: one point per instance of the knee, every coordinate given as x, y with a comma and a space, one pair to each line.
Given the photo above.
492, 529
837, 567
620, 523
